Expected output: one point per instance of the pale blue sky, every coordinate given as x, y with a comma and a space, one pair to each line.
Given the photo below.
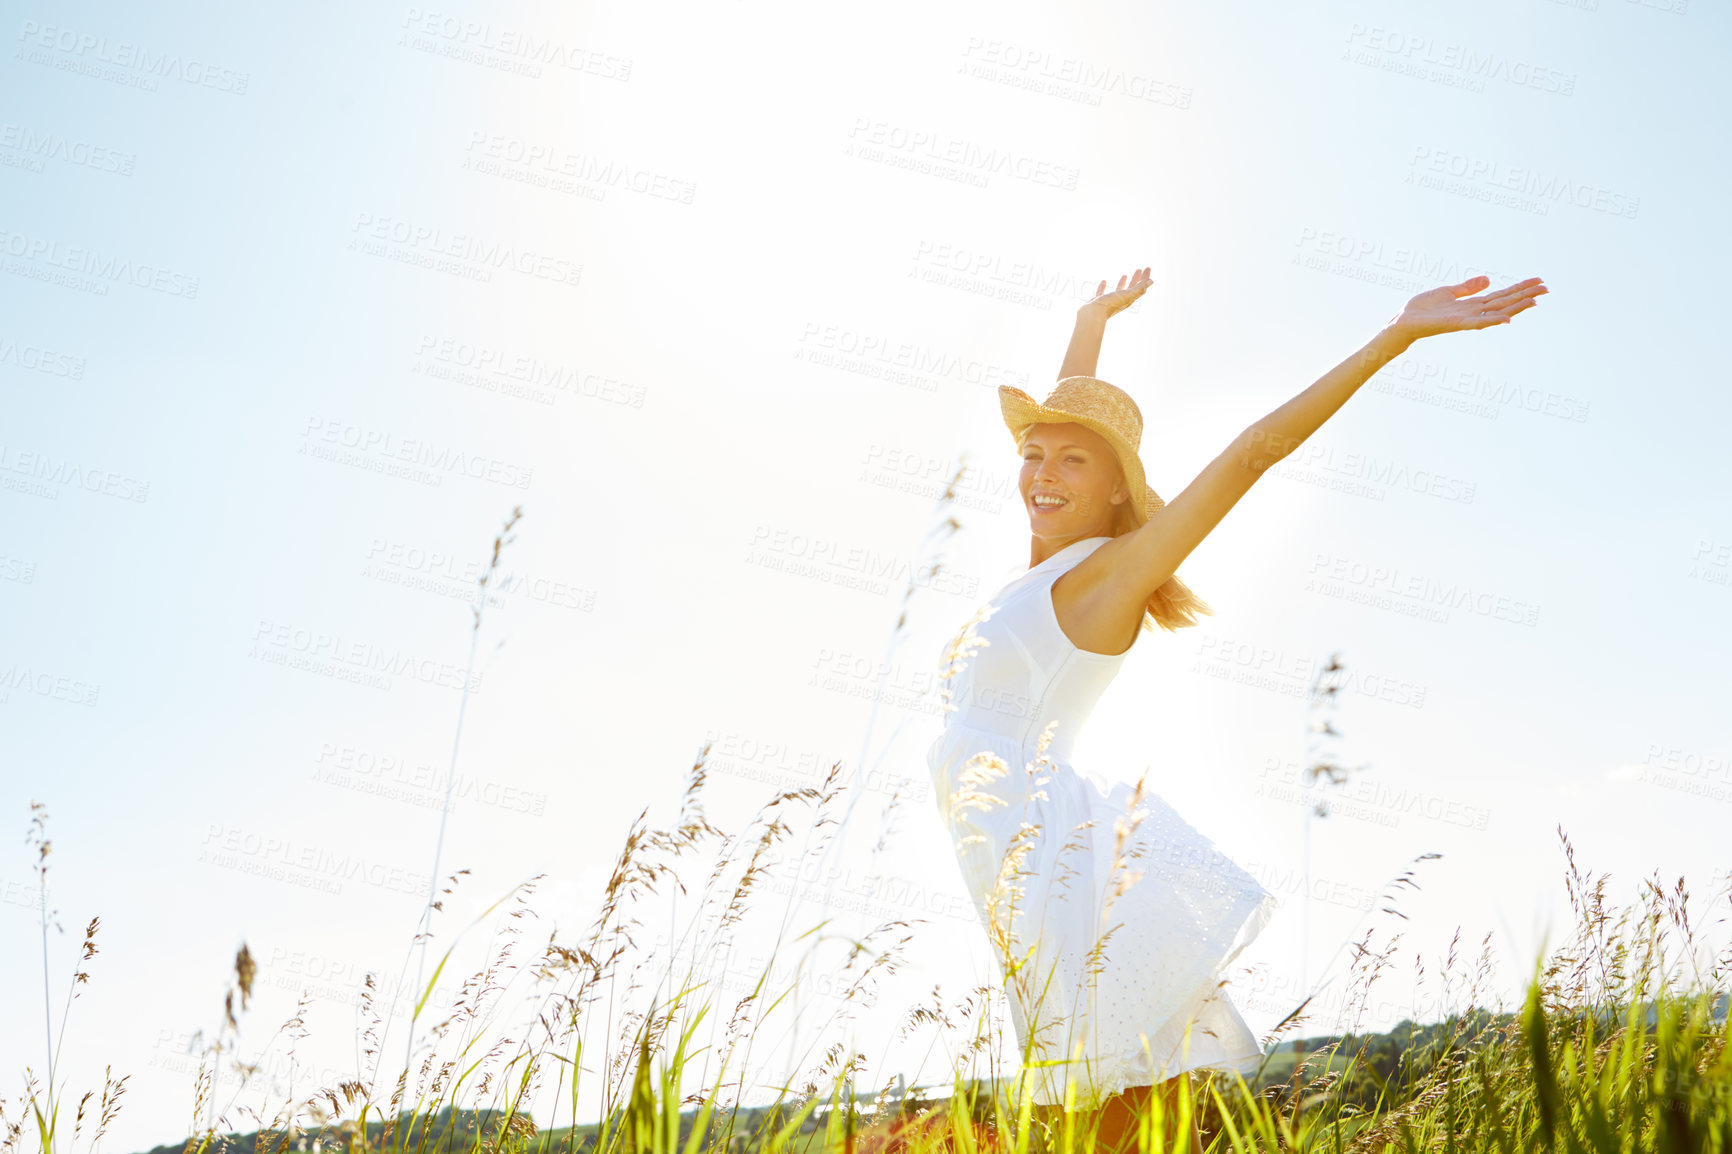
718, 295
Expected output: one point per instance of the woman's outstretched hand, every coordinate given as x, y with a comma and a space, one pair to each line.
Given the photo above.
1107, 303
1449, 309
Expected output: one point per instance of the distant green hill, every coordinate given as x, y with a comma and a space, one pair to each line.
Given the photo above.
447, 1129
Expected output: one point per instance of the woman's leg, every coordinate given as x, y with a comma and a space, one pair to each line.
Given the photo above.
1118, 1121
1119, 1117
1170, 1097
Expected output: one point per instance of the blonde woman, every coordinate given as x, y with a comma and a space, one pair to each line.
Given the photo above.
1111, 918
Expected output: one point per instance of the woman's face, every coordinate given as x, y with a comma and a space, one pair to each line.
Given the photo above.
1076, 466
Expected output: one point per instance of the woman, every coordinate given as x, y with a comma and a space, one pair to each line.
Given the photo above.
1110, 917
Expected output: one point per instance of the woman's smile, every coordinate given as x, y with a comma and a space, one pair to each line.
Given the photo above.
1048, 502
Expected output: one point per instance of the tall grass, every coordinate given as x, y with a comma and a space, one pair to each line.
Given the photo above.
1615, 1046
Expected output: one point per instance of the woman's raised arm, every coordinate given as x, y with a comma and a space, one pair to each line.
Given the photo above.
1084, 353
1149, 555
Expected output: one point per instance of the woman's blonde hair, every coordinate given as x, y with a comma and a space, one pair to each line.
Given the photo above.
1173, 606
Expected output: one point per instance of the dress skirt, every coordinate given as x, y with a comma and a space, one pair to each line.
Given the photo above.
1111, 919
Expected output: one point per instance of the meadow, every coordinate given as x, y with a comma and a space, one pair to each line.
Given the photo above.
1618, 1045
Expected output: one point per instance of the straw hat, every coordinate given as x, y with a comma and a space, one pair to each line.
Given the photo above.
1094, 404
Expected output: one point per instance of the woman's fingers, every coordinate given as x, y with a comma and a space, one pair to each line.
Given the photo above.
1526, 289
1519, 285
1500, 306
1518, 292
1131, 285
1502, 314
1509, 308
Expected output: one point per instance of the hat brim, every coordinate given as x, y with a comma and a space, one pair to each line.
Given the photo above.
1021, 410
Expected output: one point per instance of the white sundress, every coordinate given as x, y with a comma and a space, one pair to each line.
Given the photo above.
1119, 961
